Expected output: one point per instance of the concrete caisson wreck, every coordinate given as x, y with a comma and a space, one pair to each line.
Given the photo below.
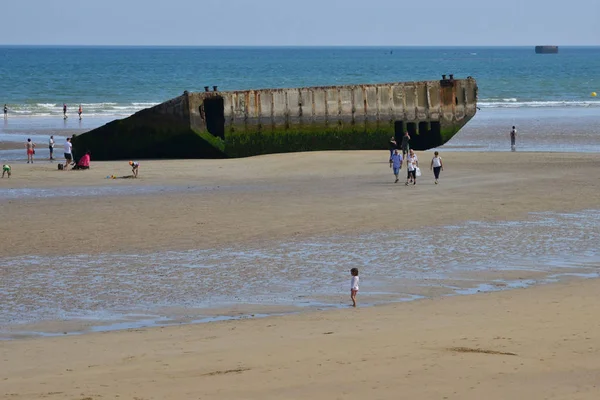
214, 124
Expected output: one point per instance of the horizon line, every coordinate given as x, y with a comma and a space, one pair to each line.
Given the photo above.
292, 46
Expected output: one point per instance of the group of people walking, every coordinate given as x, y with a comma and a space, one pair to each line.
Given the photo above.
412, 161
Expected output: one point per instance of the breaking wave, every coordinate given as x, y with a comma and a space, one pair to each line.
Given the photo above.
515, 103
105, 109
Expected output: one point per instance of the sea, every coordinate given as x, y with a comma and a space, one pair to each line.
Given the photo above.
548, 96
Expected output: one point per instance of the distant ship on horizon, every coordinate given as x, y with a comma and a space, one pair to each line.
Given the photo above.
546, 49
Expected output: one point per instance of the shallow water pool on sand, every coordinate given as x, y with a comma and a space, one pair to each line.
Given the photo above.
118, 291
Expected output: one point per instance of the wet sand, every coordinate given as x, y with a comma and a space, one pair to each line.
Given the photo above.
210, 205
202, 204
536, 343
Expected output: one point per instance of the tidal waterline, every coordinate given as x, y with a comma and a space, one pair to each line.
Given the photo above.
118, 291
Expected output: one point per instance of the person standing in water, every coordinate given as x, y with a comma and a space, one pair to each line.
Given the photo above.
513, 139
436, 166
30, 146
80, 111
5, 111
65, 110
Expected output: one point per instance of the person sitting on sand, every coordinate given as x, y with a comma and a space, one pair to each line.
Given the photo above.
84, 162
6, 170
135, 166
354, 285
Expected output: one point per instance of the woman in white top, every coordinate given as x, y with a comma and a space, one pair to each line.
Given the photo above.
436, 166
412, 163
354, 285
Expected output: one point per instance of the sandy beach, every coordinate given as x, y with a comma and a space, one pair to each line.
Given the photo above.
538, 343
436, 348
208, 203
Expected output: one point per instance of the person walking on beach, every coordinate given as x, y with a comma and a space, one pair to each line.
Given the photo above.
51, 147
6, 170
436, 166
80, 111
513, 139
412, 163
397, 164
392, 145
68, 153
65, 110
354, 285
5, 111
30, 146
405, 145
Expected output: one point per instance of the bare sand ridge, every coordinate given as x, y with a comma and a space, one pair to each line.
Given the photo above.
536, 343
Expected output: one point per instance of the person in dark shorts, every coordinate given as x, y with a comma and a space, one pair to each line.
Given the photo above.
5, 111
51, 147
405, 145
437, 166
412, 163
68, 153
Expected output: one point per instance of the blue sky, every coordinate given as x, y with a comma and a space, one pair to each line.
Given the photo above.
302, 23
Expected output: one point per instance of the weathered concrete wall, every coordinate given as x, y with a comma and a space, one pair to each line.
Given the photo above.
408, 102
244, 123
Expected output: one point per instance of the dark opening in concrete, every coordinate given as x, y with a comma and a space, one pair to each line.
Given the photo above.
411, 127
215, 116
429, 136
398, 131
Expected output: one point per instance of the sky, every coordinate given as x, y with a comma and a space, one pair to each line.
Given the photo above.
300, 22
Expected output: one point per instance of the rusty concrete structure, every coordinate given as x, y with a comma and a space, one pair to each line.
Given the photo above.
213, 124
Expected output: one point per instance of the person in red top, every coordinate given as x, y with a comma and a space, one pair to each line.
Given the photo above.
84, 162
80, 111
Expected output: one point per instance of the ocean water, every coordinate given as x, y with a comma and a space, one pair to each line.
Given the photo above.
117, 81
547, 96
